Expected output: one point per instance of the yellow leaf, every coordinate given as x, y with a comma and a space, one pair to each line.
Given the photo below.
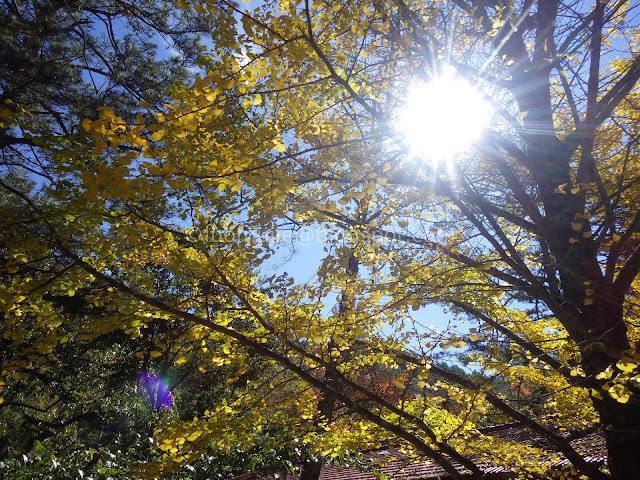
576, 226
606, 375
155, 136
257, 100
155, 353
194, 435
626, 366
182, 4
620, 393
588, 301
560, 189
421, 384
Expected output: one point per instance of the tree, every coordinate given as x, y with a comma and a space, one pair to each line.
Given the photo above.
92, 402
59, 62
534, 236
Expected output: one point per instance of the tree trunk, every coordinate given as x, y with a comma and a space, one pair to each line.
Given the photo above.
621, 427
620, 422
311, 470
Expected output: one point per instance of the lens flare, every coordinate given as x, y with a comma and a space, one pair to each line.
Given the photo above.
156, 390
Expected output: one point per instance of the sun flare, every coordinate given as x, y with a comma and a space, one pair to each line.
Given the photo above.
442, 118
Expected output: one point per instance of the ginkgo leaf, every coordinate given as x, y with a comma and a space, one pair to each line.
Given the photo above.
627, 365
399, 384
561, 189
605, 375
620, 393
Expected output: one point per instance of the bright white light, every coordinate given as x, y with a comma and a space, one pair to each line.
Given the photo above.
442, 118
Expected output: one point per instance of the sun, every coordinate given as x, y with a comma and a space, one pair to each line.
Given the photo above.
442, 118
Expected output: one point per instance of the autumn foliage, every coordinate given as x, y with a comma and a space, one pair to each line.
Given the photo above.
530, 239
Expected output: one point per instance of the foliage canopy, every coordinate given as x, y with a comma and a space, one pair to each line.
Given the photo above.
531, 240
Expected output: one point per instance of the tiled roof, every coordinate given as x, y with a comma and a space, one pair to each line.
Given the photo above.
400, 469
398, 466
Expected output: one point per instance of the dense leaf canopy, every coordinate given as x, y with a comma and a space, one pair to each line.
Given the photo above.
530, 239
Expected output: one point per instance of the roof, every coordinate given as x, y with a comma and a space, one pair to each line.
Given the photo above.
391, 462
